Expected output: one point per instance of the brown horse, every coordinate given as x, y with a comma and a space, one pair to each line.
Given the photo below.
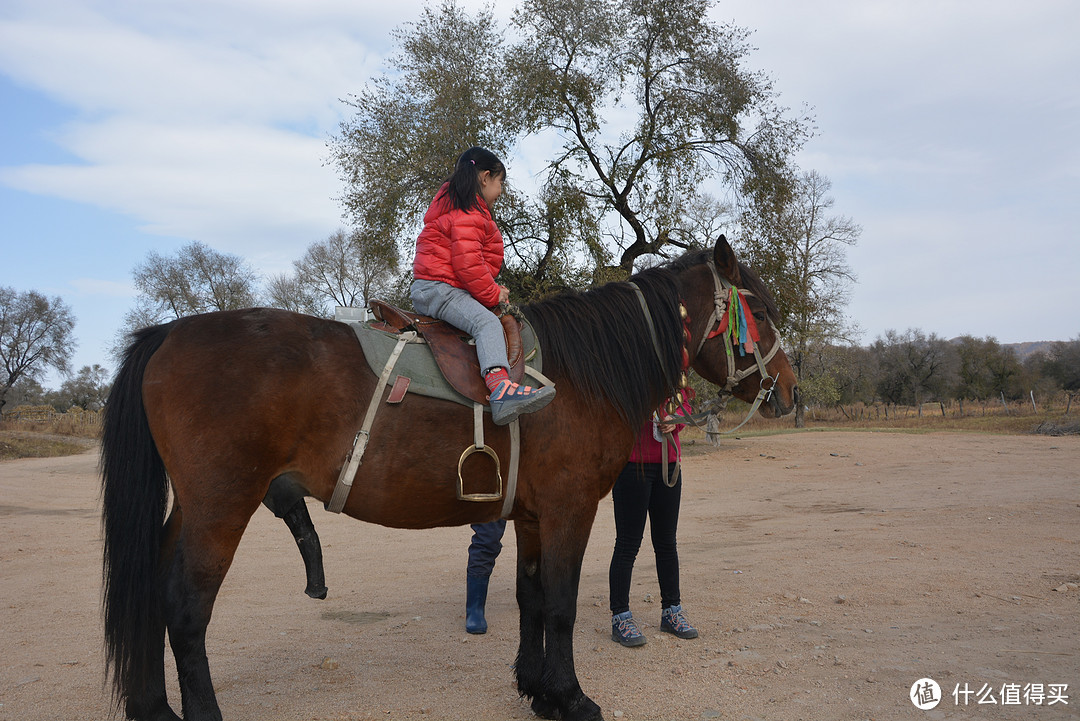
218, 406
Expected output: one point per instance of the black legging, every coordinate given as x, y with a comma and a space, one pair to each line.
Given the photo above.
640, 491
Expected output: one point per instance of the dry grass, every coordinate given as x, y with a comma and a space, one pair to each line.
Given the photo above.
47, 434
20, 444
60, 434
1019, 419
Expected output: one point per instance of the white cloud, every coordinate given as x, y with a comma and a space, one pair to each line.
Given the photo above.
947, 127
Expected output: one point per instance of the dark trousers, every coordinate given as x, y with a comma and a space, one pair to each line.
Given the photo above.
485, 547
640, 492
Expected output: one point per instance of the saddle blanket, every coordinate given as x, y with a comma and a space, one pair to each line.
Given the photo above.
417, 362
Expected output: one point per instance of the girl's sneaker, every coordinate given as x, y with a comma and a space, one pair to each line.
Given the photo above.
510, 400
625, 631
673, 620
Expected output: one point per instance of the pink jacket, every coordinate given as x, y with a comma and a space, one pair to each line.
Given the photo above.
462, 249
649, 450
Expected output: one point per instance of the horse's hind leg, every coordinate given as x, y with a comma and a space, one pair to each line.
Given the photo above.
287, 501
202, 555
150, 702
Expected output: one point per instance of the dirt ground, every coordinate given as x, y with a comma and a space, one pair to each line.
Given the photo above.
827, 572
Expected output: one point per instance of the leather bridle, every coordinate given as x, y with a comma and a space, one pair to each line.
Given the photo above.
721, 292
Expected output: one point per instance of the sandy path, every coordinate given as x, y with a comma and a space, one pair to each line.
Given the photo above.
826, 572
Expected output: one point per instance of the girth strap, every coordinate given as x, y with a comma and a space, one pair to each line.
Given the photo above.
352, 463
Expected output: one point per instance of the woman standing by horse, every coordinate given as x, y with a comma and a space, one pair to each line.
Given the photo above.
649, 486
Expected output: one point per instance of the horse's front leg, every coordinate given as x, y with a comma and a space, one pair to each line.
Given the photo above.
563, 537
529, 666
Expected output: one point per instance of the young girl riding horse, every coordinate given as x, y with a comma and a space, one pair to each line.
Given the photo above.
458, 254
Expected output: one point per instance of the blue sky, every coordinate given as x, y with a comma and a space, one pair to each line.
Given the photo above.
949, 130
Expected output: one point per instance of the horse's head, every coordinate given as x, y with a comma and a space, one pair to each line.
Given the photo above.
718, 329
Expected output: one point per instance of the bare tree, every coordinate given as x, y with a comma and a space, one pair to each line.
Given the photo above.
914, 367
285, 291
35, 335
198, 279
801, 249
346, 269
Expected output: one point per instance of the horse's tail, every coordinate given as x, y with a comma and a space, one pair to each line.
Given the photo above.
134, 493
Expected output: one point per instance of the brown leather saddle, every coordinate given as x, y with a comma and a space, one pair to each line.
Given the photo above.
450, 346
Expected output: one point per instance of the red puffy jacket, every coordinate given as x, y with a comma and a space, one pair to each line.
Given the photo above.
459, 248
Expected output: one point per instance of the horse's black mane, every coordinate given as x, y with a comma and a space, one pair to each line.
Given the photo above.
600, 341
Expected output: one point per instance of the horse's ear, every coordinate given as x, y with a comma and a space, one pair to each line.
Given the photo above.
726, 264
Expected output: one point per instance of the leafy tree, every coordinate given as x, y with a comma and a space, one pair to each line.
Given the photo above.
914, 367
799, 247
1062, 364
847, 372
648, 99
445, 95
35, 335
26, 392
87, 389
985, 369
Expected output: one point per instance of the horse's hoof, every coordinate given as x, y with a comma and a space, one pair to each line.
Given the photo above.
545, 708
319, 593
583, 709
159, 712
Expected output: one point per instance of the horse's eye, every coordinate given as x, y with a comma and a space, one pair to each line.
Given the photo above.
759, 317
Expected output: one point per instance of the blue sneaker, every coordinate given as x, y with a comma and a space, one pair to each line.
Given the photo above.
625, 631
510, 400
673, 620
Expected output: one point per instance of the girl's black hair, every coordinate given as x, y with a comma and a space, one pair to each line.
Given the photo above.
464, 182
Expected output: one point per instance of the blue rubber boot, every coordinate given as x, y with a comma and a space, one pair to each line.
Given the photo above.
476, 588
